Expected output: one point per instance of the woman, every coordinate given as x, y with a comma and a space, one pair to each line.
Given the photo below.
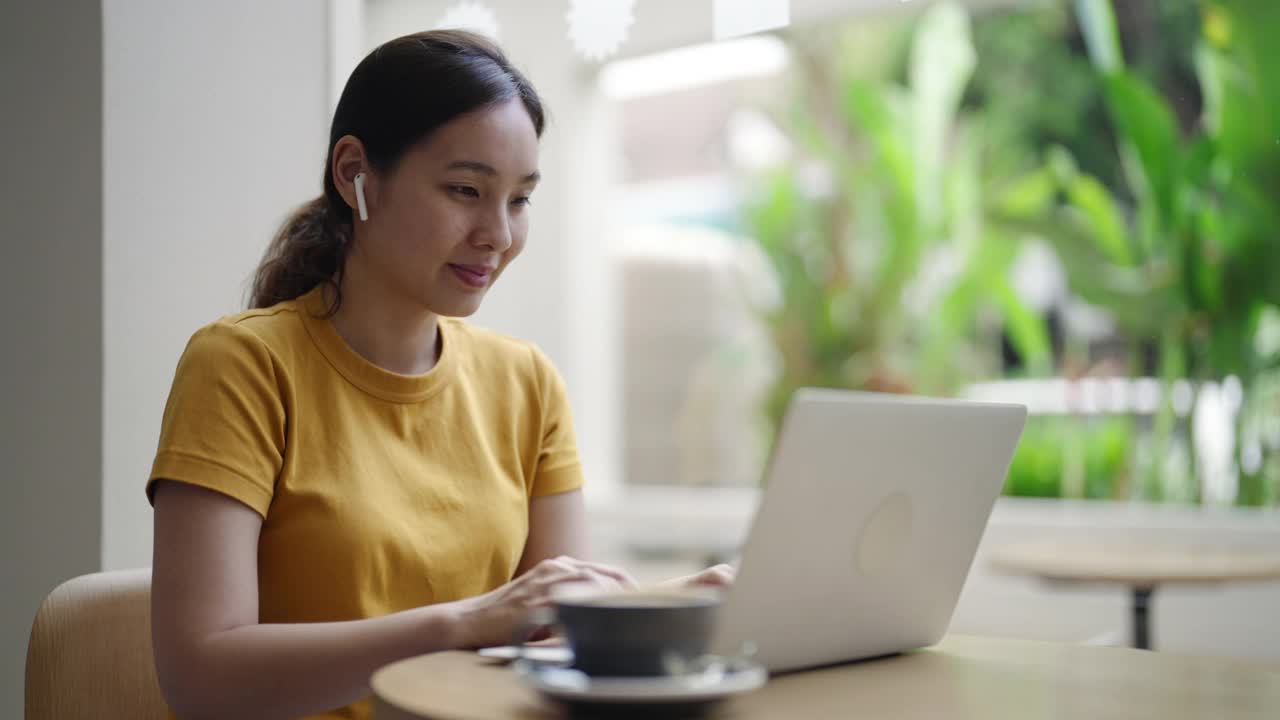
347, 474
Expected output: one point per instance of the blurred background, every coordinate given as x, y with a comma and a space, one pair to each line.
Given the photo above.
1067, 204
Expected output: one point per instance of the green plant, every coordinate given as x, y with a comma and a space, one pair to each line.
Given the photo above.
887, 273
1106, 467
1037, 45
1072, 457
1192, 260
1036, 468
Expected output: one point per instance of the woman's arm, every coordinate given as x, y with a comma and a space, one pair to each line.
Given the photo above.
213, 658
557, 528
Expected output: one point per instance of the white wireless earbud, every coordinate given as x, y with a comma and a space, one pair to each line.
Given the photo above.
364, 209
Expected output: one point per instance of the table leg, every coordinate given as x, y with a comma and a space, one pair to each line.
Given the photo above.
1142, 617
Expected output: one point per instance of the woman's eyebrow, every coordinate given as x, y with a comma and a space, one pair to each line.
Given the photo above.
486, 169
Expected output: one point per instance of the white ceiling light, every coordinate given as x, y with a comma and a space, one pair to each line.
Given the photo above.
597, 28
470, 15
694, 66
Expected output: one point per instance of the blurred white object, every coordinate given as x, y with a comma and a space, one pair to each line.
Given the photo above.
693, 66
732, 18
470, 15
755, 142
1089, 396
537, 653
1215, 440
597, 28
1038, 277
360, 202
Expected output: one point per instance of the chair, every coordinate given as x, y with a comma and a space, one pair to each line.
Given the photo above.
90, 652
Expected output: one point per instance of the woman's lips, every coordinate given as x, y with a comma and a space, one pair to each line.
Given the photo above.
476, 276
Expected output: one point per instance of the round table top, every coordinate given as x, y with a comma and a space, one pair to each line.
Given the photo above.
963, 677
1140, 563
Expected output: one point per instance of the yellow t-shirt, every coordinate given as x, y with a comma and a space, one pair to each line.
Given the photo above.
379, 492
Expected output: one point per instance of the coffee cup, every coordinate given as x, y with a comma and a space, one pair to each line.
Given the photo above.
637, 632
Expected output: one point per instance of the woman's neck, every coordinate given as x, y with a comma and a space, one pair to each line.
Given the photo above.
390, 331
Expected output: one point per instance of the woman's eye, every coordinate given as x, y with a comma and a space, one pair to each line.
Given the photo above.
522, 201
464, 190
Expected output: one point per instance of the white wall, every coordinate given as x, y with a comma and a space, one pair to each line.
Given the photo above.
559, 293
346, 45
50, 288
154, 147
214, 127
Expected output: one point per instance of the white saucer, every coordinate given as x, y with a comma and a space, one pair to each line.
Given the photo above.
555, 654
569, 685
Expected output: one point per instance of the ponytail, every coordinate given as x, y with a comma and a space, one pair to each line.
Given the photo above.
308, 250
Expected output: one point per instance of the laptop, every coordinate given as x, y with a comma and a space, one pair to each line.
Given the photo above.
871, 512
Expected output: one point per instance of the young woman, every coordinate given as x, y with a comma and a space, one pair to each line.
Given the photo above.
347, 474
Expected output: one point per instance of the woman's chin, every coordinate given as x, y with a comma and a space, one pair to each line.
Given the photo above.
457, 307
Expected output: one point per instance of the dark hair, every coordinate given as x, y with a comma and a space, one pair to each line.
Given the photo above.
395, 98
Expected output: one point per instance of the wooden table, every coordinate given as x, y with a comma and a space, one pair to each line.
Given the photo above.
964, 677
1141, 566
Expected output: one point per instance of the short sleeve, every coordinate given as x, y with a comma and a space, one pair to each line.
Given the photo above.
224, 422
558, 467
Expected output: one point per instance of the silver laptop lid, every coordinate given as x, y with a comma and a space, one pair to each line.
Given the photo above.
867, 526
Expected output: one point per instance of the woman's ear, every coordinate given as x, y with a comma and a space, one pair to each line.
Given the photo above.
350, 161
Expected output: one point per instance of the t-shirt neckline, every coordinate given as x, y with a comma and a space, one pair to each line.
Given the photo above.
359, 371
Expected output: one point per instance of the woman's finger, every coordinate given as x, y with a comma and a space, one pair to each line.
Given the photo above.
590, 580
717, 576
564, 562
622, 576
543, 588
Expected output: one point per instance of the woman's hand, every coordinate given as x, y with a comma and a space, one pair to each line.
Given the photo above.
494, 617
720, 576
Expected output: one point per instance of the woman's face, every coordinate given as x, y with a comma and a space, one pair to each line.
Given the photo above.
448, 219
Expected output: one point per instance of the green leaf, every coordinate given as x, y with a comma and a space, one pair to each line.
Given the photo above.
1254, 26
1140, 301
1094, 201
964, 188
1027, 330
1098, 23
894, 195
1235, 115
1030, 195
1150, 132
1210, 230
870, 109
942, 63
